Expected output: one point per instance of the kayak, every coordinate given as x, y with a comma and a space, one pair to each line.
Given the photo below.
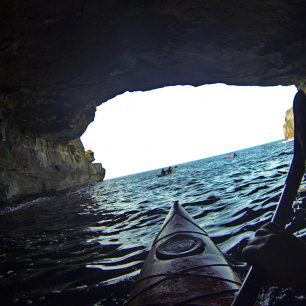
230, 156
166, 173
184, 267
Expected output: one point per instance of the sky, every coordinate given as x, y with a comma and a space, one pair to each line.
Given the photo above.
140, 131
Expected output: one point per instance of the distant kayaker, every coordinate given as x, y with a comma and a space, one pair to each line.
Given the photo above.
169, 170
231, 156
163, 172
280, 254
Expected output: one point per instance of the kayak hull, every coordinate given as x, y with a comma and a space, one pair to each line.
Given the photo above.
166, 173
184, 267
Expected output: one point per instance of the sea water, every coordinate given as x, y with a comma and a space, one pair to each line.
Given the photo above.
87, 246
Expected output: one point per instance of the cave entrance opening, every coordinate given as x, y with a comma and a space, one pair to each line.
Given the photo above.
140, 131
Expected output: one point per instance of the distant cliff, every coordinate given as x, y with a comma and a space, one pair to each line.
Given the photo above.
289, 125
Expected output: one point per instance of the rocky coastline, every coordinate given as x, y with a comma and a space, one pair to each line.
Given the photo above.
289, 125
32, 166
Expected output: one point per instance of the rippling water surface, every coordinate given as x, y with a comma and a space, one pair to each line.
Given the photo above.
86, 247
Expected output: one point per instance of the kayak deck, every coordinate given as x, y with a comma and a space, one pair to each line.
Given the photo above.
184, 267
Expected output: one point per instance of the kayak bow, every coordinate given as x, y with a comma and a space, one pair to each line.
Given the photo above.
184, 267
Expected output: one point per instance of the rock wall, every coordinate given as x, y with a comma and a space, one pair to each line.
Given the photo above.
31, 166
289, 125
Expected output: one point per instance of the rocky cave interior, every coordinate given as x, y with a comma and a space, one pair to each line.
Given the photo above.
61, 59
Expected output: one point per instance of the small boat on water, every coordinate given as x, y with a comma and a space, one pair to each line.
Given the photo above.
231, 156
184, 267
166, 173
169, 171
